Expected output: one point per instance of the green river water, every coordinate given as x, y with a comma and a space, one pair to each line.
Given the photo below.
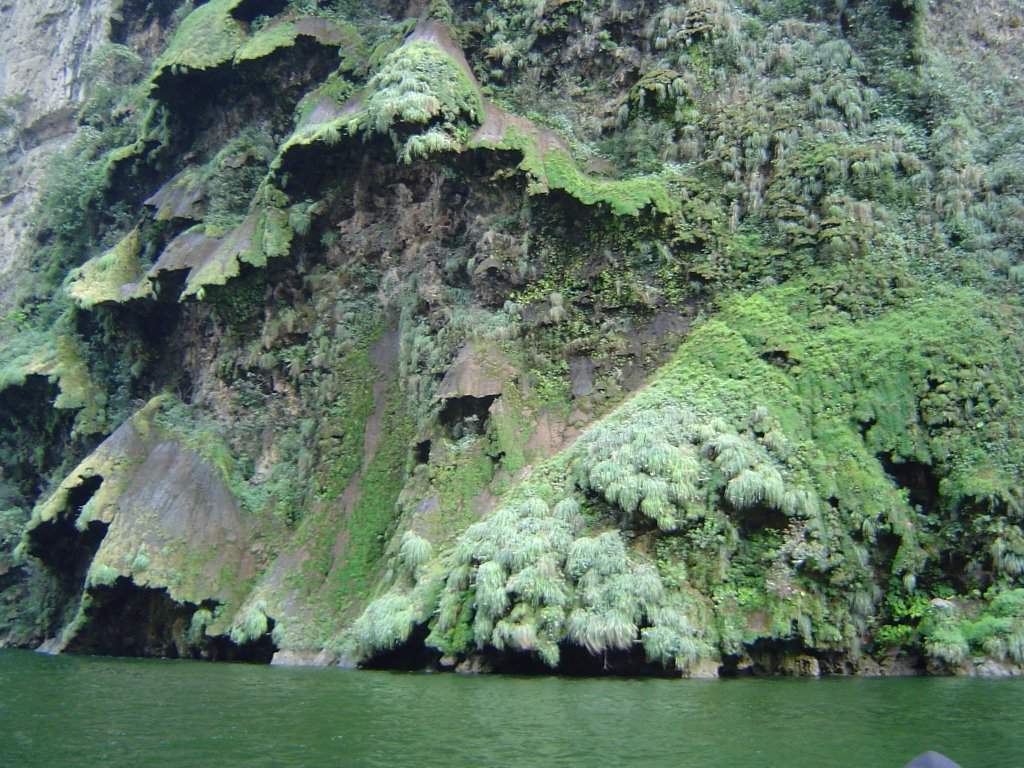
80, 712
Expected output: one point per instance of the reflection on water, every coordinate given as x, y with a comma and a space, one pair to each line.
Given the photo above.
74, 711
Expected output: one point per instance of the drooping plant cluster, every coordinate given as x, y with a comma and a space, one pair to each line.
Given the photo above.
420, 85
526, 580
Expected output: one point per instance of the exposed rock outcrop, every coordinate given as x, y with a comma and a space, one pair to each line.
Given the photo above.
43, 47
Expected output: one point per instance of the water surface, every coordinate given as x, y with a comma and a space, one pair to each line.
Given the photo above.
130, 713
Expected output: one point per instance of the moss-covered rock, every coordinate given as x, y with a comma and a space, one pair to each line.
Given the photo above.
565, 334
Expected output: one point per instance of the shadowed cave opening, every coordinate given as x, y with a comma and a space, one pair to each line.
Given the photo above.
757, 520
421, 452
135, 16
249, 10
34, 434
575, 661
64, 548
411, 656
771, 657
901, 11
66, 552
467, 415
124, 619
916, 477
208, 106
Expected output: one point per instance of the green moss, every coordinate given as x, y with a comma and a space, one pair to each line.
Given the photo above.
78, 390
829, 449
763, 454
553, 168
266, 41
101, 575
335, 91
206, 38
232, 181
341, 445
251, 624
265, 234
274, 496
106, 462
210, 37
26, 351
465, 473
374, 514
101, 280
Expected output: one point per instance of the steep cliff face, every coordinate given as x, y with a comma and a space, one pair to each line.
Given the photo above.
42, 49
602, 338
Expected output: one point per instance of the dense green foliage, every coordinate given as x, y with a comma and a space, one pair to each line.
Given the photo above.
397, 303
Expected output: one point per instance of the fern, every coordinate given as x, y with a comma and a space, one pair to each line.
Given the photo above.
386, 623
415, 551
251, 625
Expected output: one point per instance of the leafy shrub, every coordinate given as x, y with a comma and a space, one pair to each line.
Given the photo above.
387, 622
420, 85
250, 625
415, 551
101, 575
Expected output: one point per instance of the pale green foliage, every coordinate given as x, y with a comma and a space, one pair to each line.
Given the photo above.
613, 594
86, 515
540, 584
666, 464
996, 631
140, 562
603, 555
415, 551
520, 580
100, 280
491, 593
947, 643
731, 453
599, 631
418, 84
251, 625
432, 141
568, 510
201, 619
640, 467
675, 636
101, 575
385, 624
756, 485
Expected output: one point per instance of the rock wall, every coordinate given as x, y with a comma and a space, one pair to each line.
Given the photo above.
43, 46
606, 338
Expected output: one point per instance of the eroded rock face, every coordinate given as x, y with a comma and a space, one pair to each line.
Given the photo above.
475, 376
301, 658
43, 46
123, 619
397, 301
987, 667
140, 536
